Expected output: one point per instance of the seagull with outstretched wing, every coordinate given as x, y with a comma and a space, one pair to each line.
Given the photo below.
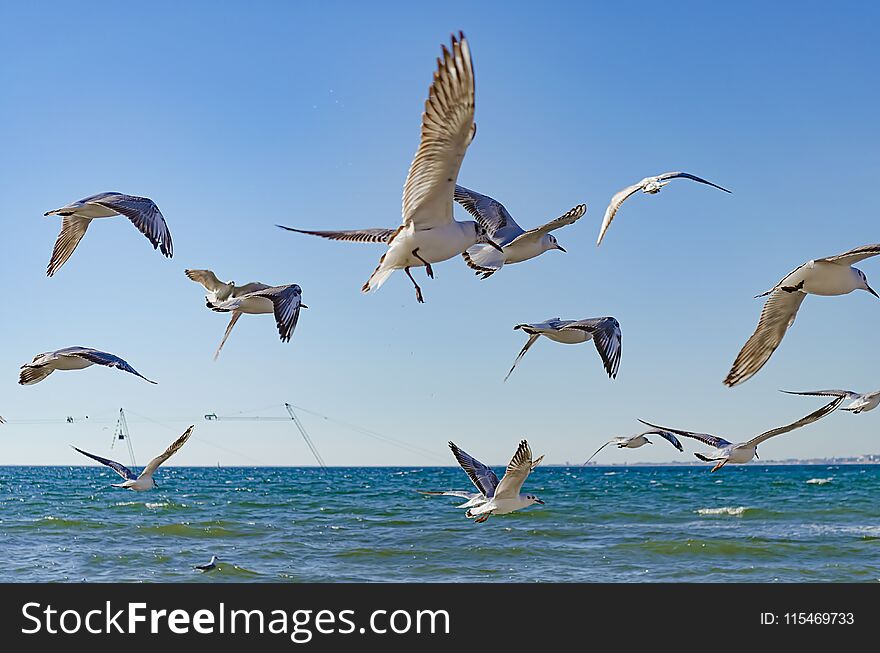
638, 440
859, 402
71, 358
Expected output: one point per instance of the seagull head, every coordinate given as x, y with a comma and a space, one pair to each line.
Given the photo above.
864, 283
653, 187
533, 499
550, 242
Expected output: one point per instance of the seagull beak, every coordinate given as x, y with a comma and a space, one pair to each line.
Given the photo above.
495, 245
539, 501
561, 248
303, 306
871, 290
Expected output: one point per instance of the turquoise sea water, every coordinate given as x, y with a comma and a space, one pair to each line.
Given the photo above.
640, 524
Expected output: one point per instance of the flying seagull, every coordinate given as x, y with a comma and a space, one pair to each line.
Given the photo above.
429, 233
208, 566
727, 452
71, 358
858, 402
284, 301
219, 292
829, 276
649, 186
76, 217
638, 440
144, 481
501, 497
517, 244
603, 331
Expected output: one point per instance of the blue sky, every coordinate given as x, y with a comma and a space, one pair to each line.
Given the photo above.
237, 116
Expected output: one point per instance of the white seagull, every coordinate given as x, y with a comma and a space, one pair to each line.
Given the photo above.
603, 331
144, 481
501, 497
638, 440
828, 276
858, 402
429, 233
649, 186
208, 566
517, 244
727, 452
219, 293
471, 498
76, 217
71, 358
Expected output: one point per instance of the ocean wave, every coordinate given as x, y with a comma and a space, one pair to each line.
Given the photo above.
724, 510
820, 481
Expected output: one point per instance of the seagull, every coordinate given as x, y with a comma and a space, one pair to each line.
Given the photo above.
517, 244
219, 292
76, 217
472, 498
144, 481
501, 497
727, 452
603, 331
859, 402
71, 358
649, 186
209, 566
429, 233
829, 276
283, 301
638, 440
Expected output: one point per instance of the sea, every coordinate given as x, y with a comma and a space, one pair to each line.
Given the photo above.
748, 523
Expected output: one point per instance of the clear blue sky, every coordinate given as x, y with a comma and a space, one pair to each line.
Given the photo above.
237, 116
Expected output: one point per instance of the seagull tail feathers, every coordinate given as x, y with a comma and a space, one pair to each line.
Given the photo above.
379, 276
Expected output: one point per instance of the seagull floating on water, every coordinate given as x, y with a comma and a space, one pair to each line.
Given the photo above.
208, 566
828, 276
76, 218
603, 331
638, 440
859, 402
649, 186
143, 481
429, 233
71, 358
727, 452
500, 497
517, 244
219, 293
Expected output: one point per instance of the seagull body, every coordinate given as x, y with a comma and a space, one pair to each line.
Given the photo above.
639, 440
516, 243
603, 331
77, 216
71, 358
649, 186
504, 496
143, 481
209, 566
830, 276
429, 233
724, 451
472, 498
858, 402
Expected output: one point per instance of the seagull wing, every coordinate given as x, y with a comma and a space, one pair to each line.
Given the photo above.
854, 255
614, 207
208, 279
378, 235
153, 465
103, 358
597, 451
809, 419
232, 320
490, 213
522, 352
286, 301
144, 214
483, 478
778, 314
846, 394
607, 338
517, 472
711, 440
462, 494
73, 228
666, 435
569, 217
119, 468
685, 175
447, 129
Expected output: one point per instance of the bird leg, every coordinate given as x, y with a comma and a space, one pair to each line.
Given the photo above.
418, 290
719, 465
428, 268
481, 518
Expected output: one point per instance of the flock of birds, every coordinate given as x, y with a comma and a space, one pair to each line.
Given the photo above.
429, 234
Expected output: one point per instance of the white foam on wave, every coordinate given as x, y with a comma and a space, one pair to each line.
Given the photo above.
610, 474
724, 510
153, 506
820, 481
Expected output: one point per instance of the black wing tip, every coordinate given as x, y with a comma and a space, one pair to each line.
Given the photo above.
702, 457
